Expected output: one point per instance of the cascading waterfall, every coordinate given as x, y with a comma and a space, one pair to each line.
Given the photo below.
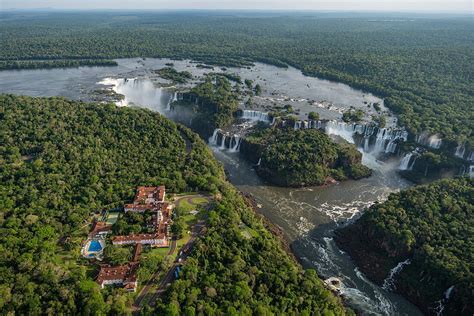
232, 143
471, 156
386, 140
388, 283
342, 129
223, 139
460, 151
405, 162
440, 304
256, 116
366, 144
213, 138
172, 99
235, 143
433, 141
448, 292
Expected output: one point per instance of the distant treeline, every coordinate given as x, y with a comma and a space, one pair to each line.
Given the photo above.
41, 64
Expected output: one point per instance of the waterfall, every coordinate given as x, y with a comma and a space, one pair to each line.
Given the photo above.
405, 162
235, 143
471, 171
432, 141
388, 283
460, 150
255, 116
259, 161
439, 308
366, 144
471, 156
224, 137
213, 139
340, 129
380, 141
440, 304
391, 147
448, 292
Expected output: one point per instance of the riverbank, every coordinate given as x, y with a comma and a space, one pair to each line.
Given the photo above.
414, 244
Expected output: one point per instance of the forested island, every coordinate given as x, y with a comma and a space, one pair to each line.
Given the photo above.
63, 160
428, 232
295, 158
216, 102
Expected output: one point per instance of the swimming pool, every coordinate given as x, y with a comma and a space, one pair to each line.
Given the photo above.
95, 246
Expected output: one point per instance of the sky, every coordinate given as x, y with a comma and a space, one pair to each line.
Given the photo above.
444, 6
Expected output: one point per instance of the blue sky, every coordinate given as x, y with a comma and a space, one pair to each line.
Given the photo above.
446, 6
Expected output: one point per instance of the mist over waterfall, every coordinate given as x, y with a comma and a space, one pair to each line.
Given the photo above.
389, 282
140, 92
384, 140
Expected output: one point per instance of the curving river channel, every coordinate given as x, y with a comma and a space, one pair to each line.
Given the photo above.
307, 216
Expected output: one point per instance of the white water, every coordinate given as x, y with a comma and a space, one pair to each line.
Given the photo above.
138, 92
235, 143
460, 150
223, 139
213, 138
405, 162
386, 140
448, 292
341, 129
389, 282
255, 116
433, 141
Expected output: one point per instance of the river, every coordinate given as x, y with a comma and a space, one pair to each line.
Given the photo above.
307, 216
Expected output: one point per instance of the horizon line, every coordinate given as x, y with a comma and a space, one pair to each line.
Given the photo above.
53, 9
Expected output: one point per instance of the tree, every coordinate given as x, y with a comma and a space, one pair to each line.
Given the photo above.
313, 116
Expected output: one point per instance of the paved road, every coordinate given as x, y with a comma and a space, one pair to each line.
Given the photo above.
185, 250
169, 277
180, 259
152, 280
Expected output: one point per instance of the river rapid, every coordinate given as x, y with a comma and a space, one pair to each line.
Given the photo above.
308, 216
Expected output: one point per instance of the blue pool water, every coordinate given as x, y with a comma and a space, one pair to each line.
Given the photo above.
95, 246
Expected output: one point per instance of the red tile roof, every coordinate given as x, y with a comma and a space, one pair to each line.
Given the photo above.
126, 273
100, 227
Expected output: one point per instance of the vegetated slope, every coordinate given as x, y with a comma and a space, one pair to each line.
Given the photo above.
239, 268
217, 102
433, 226
421, 64
308, 157
61, 160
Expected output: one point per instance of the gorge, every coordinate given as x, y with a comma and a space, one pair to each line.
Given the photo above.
307, 216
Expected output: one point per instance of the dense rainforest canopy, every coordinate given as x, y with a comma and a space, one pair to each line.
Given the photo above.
61, 160
305, 157
422, 65
433, 226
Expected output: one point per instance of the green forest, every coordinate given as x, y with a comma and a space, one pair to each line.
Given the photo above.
304, 157
433, 226
61, 161
421, 65
217, 101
